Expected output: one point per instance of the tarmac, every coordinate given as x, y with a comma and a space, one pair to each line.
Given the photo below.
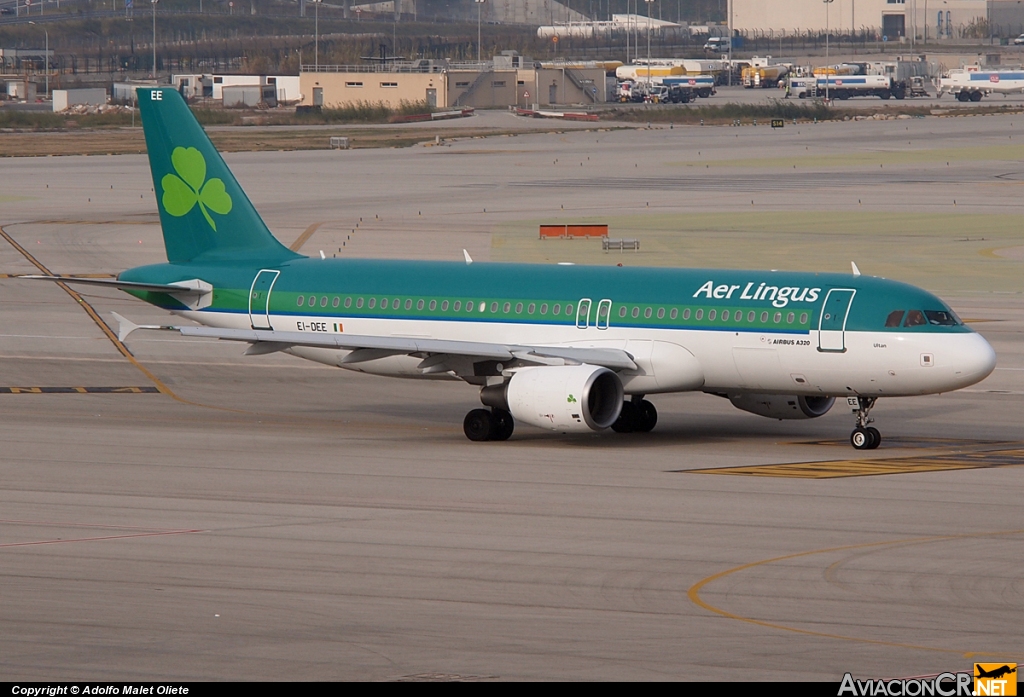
173, 510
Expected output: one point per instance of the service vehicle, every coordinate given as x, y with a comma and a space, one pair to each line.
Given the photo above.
971, 84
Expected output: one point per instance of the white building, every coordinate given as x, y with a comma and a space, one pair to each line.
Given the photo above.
890, 18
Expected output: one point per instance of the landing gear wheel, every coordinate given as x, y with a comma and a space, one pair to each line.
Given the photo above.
626, 423
861, 439
478, 425
865, 437
502, 424
646, 417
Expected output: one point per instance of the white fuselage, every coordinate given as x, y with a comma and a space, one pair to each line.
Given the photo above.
872, 364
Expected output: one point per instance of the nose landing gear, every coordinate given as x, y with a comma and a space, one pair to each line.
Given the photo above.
865, 437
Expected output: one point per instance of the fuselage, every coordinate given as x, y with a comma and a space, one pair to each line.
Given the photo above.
748, 331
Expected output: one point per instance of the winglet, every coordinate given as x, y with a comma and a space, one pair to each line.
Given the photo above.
469, 259
124, 326
856, 271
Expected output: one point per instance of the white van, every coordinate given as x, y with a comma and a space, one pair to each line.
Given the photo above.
718, 44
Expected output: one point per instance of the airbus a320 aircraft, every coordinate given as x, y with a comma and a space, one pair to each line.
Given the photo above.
565, 348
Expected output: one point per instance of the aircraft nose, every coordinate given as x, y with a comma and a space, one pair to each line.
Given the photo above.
976, 360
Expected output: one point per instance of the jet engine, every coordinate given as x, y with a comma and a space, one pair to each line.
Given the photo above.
575, 398
780, 406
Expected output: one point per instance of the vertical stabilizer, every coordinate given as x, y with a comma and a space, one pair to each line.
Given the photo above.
204, 213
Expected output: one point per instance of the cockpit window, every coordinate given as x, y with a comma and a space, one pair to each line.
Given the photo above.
942, 318
915, 318
894, 318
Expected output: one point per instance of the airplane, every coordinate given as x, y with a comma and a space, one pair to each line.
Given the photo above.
995, 673
562, 347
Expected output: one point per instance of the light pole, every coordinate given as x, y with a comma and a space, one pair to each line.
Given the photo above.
316, 34
479, 10
154, 2
649, 45
827, 3
46, 60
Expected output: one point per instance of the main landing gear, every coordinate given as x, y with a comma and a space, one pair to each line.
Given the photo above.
865, 437
488, 424
637, 415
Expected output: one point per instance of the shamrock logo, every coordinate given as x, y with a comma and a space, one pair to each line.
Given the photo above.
571, 399
189, 187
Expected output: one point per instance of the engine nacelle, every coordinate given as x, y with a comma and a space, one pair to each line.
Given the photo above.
572, 398
780, 406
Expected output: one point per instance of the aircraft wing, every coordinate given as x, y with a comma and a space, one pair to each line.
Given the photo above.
372, 347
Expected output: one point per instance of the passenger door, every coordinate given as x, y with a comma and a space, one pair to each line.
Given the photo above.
832, 321
259, 298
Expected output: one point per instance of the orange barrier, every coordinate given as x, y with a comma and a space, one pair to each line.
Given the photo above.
571, 231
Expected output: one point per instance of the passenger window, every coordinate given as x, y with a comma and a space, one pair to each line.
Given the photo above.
312, 301
686, 313
555, 308
336, 301
494, 307
359, 302
383, 303
725, 315
469, 306
636, 311
301, 299
323, 301
738, 317
519, 308
764, 316
647, 313
751, 315
348, 303
396, 302
661, 313
372, 304
419, 304
790, 317
915, 318
433, 305
778, 317
674, 313
543, 308
803, 318
622, 311
712, 314
408, 304
568, 309
531, 308
894, 318
506, 307
699, 315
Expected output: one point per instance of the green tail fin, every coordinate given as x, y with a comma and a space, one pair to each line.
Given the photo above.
204, 213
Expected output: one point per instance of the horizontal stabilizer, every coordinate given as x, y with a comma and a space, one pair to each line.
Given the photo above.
194, 286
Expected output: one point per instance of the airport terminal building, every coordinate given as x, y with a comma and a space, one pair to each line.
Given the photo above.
890, 18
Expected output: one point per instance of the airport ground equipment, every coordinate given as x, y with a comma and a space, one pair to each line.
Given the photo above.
971, 84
